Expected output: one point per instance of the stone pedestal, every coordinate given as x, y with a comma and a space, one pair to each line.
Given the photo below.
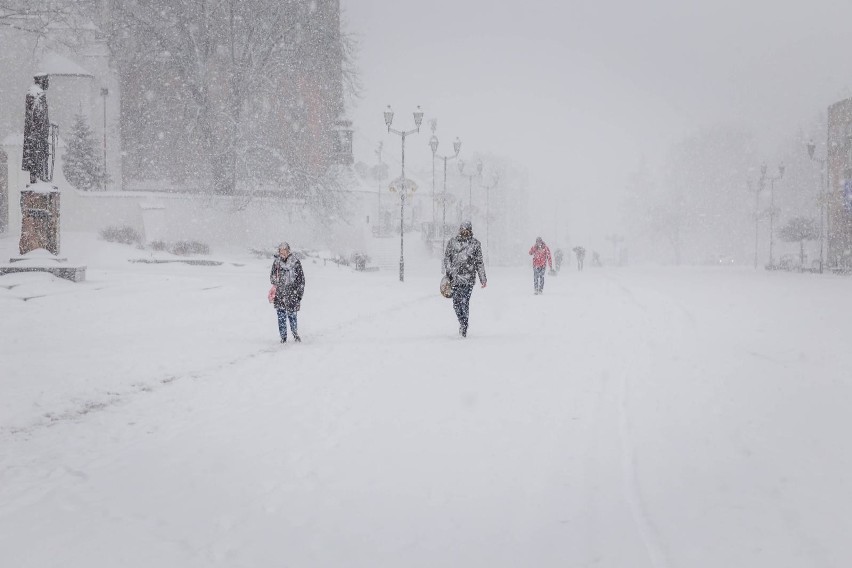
39, 244
39, 218
41, 260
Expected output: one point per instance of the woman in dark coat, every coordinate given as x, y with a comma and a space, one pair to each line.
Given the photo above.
288, 280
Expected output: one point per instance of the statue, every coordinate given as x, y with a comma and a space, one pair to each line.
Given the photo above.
37, 131
39, 208
40, 201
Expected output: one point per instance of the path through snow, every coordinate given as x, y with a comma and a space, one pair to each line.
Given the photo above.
657, 418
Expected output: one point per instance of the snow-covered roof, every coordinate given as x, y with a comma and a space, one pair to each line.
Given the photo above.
54, 64
42, 187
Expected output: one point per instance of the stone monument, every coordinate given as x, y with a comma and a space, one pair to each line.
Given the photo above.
40, 201
39, 243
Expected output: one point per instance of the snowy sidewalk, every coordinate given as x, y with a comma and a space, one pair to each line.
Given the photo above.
624, 418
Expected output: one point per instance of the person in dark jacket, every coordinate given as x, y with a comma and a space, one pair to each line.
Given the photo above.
581, 256
288, 280
462, 264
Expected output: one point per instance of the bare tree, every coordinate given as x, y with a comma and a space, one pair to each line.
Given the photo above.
36, 16
23, 15
236, 71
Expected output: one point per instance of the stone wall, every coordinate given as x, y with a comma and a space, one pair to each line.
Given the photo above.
216, 220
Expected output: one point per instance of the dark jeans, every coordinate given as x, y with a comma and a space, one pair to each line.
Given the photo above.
461, 304
538, 279
283, 316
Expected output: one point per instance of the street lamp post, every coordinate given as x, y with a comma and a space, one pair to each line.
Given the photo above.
418, 118
772, 211
433, 143
822, 196
104, 94
470, 188
488, 189
433, 124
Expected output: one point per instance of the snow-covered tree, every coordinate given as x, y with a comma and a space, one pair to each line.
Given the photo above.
82, 163
799, 230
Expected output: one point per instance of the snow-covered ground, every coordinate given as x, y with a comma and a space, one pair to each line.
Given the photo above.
626, 418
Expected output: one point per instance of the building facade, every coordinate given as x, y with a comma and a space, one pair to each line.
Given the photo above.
839, 196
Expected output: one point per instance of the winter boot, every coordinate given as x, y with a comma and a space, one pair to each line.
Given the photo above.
296, 338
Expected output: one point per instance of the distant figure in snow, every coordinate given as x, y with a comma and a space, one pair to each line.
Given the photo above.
557, 258
581, 256
288, 287
541, 259
462, 263
37, 131
596, 259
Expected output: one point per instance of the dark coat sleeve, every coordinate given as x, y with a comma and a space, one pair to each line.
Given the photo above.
448, 259
480, 264
272, 275
300, 280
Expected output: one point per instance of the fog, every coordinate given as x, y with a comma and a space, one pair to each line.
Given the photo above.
229, 339
580, 91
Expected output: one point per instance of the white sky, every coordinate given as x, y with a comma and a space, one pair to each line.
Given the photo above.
578, 90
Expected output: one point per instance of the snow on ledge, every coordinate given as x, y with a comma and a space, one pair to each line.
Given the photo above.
37, 257
55, 64
42, 187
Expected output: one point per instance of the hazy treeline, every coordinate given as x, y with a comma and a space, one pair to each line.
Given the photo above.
705, 198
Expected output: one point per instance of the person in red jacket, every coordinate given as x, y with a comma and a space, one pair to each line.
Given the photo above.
541, 259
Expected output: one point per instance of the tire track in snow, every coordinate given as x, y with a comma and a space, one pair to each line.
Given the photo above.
631, 486
648, 531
